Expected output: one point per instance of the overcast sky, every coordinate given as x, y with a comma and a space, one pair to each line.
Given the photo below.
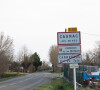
35, 23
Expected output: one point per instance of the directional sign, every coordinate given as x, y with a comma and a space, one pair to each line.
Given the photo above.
69, 49
67, 38
74, 66
69, 58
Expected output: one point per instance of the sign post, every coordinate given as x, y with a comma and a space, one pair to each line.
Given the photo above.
69, 49
74, 66
74, 76
60, 66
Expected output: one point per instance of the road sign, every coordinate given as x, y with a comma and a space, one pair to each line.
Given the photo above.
70, 51
74, 66
67, 38
72, 29
59, 65
69, 58
76, 49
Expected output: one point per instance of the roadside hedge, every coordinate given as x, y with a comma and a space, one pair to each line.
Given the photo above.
5, 75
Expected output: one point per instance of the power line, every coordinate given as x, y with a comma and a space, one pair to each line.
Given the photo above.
91, 34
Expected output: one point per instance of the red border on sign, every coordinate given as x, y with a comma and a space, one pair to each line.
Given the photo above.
70, 43
69, 58
69, 53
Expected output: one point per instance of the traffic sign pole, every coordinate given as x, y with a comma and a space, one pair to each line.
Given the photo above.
60, 66
74, 66
74, 76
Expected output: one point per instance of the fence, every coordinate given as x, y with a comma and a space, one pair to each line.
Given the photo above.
68, 73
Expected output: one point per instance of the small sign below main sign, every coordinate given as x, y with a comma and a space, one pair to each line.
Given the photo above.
59, 65
76, 49
74, 66
67, 38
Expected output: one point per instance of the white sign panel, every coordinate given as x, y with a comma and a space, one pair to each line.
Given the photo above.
69, 58
66, 38
74, 66
69, 49
60, 65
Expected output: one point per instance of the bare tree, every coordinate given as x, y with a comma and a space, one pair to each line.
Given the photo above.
88, 58
6, 52
93, 57
23, 58
97, 53
53, 55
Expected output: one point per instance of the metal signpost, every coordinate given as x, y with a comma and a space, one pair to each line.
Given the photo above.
60, 66
74, 66
69, 49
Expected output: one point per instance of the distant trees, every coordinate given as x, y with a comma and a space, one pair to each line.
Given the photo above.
36, 60
29, 59
45, 65
25, 63
14, 66
23, 60
92, 57
32, 59
53, 57
6, 52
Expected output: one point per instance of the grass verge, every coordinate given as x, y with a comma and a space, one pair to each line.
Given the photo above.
9, 75
57, 84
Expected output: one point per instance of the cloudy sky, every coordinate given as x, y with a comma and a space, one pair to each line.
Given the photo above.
35, 23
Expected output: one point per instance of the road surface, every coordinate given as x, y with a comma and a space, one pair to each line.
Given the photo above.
28, 82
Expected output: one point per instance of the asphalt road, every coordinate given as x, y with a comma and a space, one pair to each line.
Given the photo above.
28, 82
